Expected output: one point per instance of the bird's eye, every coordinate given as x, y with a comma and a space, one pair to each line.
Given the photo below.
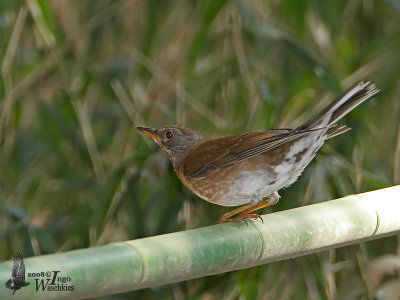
169, 135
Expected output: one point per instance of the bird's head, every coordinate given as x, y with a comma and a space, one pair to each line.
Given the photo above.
174, 140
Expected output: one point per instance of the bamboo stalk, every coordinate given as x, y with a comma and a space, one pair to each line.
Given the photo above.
130, 265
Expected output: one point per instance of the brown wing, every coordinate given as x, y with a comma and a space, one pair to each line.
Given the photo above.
220, 153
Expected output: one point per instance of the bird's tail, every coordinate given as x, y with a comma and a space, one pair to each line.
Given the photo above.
341, 107
8, 283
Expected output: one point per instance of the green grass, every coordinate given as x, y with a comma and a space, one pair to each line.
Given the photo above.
78, 76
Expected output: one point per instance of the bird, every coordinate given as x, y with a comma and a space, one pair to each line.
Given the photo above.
17, 280
249, 169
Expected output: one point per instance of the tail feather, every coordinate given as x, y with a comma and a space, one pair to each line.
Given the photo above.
341, 107
9, 283
336, 130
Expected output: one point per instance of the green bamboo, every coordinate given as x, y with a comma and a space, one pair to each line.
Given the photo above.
126, 266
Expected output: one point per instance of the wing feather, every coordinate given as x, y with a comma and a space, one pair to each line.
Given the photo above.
223, 152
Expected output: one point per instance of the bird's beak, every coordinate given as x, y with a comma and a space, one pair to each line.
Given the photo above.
151, 132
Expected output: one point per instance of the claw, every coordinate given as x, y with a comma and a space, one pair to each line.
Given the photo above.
241, 217
252, 216
244, 212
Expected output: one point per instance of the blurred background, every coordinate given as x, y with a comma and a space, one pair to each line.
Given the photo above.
78, 76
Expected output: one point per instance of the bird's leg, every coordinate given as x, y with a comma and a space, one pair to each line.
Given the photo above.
244, 211
226, 217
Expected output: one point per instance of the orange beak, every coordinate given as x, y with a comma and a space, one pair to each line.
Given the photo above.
149, 131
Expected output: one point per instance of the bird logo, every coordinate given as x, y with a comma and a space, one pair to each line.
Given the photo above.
17, 280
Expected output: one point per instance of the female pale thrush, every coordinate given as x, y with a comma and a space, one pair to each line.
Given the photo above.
244, 169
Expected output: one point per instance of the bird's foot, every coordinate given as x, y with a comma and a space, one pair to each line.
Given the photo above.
252, 216
241, 217
245, 211
224, 219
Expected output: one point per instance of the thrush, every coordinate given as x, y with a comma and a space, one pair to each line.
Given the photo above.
248, 170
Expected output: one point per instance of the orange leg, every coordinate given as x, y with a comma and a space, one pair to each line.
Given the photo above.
244, 212
226, 217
